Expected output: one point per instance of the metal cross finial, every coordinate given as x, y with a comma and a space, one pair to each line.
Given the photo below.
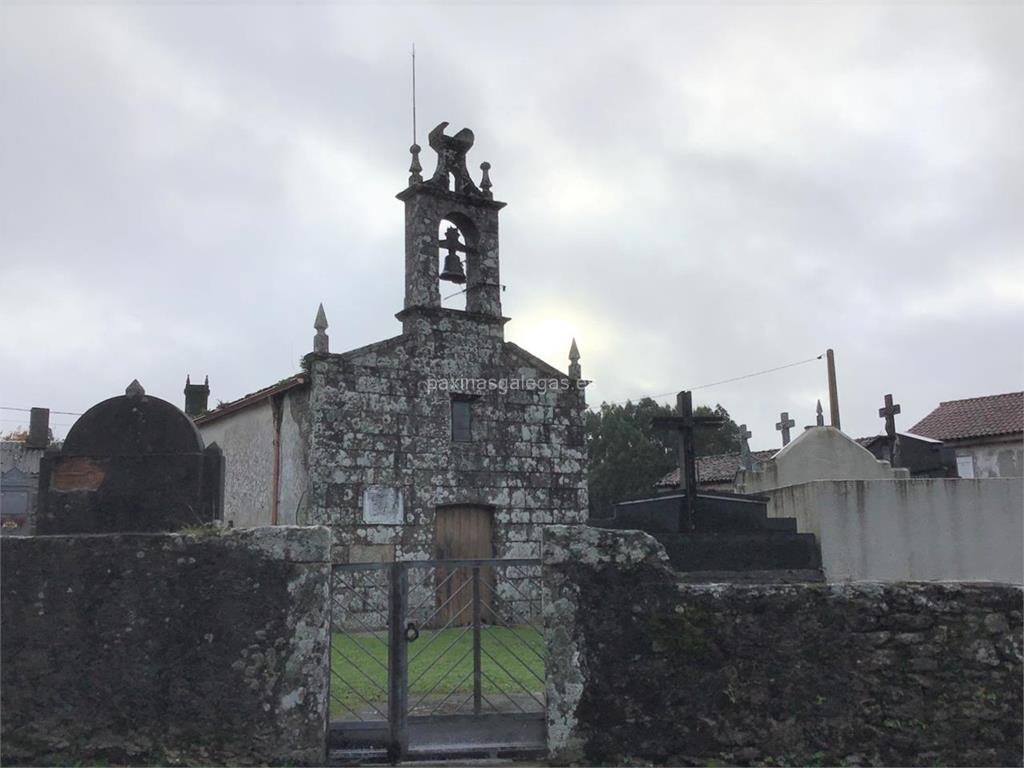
820, 419
783, 426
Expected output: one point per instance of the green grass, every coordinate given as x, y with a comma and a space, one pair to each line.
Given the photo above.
511, 661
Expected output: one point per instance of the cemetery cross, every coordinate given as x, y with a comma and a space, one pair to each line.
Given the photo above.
746, 460
889, 414
783, 426
685, 423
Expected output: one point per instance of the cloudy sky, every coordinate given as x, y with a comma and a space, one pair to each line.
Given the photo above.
695, 192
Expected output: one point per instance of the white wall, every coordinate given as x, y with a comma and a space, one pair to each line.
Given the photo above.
924, 529
818, 453
994, 458
247, 439
294, 480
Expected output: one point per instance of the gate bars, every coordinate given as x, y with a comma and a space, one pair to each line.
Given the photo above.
422, 642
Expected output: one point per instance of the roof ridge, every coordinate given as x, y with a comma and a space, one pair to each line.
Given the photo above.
981, 397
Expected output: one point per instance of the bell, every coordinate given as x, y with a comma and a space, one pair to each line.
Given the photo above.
452, 271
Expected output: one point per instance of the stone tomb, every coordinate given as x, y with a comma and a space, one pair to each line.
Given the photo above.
131, 463
732, 537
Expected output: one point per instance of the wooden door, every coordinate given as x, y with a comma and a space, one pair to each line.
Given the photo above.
462, 533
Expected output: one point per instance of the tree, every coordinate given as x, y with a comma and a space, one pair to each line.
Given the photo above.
628, 455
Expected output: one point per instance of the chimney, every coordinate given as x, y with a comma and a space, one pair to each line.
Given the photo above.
197, 397
38, 428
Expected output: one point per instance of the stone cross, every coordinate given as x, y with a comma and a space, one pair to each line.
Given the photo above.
889, 414
783, 426
684, 422
746, 460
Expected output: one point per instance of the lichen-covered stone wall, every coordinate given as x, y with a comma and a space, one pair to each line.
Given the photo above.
645, 667
165, 648
381, 417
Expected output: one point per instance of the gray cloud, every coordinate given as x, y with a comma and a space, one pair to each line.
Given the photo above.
694, 192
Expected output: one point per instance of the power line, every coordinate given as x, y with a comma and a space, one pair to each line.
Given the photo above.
760, 373
723, 381
29, 410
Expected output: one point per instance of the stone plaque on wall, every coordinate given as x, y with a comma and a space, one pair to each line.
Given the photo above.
383, 505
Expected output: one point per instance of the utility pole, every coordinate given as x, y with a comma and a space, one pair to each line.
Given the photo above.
833, 389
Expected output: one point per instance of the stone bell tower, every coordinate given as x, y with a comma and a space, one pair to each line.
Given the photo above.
469, 243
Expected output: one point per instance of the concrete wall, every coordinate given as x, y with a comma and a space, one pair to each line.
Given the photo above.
928, 529
165, 649
817, 453
994, 457
644, 668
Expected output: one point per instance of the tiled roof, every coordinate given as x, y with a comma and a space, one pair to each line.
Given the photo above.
714, 469
974, 417
255, 397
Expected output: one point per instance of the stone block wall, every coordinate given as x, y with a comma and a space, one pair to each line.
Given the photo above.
644, 667
166, 649
378, 421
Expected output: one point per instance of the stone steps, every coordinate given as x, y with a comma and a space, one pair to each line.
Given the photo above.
733, 538
744, 551
714, 512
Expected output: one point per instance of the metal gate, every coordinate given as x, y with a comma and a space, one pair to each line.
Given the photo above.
436, 659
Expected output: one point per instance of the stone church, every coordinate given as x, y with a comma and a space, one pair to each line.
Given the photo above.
446, 441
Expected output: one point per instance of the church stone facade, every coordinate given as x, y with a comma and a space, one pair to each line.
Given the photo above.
446, 441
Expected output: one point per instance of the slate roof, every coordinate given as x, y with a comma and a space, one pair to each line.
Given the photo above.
974, 417
714, 469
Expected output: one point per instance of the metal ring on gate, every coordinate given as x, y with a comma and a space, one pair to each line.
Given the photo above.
411, 632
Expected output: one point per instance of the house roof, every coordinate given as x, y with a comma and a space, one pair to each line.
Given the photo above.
974, 417
252, 398
868, 442
714, 469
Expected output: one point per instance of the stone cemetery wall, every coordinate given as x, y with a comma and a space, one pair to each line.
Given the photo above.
644, 667
382, 457
165, 648
923, 529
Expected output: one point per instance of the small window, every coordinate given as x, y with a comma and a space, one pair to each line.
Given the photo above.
965, 466
462, 420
